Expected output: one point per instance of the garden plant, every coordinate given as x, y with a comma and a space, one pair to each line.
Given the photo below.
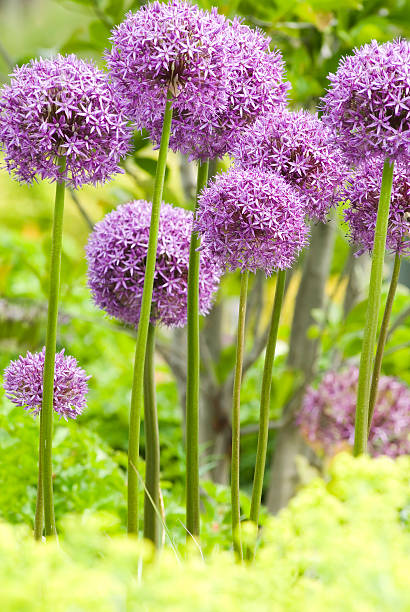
223, 327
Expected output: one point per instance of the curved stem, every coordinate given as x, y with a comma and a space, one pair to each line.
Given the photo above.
373, 304
152, 454
265, 399
382, 339
192, 390
236, 418
39, 516
143, 325
46, 422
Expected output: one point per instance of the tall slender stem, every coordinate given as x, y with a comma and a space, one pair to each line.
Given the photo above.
46, 421
152, 454
373, 304
39, 516
382, 339
143, 325
192, 390
265, 398
236, 418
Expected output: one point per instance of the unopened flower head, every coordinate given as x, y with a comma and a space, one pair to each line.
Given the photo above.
117, 252
368, 102
362, 197
255, 87
297, 146
170, 47
327, 415
62, 107
23, 383
251, 220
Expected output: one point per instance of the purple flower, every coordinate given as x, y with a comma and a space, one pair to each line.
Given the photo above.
297, 146
328, 413
368, 102
172, 47
62, 107
251, 220
221, 74
362, 196
23, 383
117, 251
255, 87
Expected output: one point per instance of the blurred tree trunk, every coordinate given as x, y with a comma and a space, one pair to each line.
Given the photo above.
302, 356
358, 273
214, 422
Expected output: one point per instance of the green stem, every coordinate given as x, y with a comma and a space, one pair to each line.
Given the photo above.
152, 454
46, 422
265, 398
192, 390
382, 339
39, 516
143, 325
236, 418
373, 304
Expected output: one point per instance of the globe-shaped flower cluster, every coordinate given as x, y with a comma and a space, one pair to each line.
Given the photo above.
296, 145
62, 107
117, 251
254, 88
23, 384
220, 74
173, 47
362, 197
368, 103
251, 220
327, 415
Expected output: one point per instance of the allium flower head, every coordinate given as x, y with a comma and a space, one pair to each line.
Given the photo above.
251, 220
220, 73
254, 88
368, 102
297, 146
174, 47
327, 415
117, 251
62, 107
23, 383
362, 195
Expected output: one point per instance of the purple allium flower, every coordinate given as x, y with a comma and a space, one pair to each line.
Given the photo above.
363, 194
116, 253
327, 415
297, 146
171, 46
62, 107
23, 383
255, 87
251, 220
368, 102
221, 74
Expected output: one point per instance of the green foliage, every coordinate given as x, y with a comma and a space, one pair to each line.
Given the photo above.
312, 557
88, 476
